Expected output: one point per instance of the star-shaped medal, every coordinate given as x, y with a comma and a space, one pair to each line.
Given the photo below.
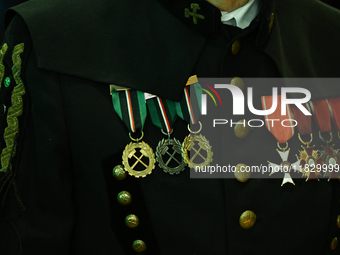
285, 167
310, 163
330, 158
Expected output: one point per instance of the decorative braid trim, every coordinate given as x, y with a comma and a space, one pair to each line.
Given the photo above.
15, 111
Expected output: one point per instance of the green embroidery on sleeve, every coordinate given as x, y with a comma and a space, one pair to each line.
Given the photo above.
15, 111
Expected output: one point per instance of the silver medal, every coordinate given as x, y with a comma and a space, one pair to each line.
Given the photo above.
165, 147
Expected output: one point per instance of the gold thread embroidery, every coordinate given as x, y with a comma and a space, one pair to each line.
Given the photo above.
2, 66
15, 111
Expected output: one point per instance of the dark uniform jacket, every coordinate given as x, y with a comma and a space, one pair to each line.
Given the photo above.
63, 137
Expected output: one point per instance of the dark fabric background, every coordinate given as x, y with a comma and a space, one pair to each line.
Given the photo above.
4, 5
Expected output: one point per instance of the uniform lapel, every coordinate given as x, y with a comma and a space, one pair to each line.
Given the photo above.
139, 45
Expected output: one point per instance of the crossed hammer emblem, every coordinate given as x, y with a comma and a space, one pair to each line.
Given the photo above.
138, 159
197, 153
194, 14
171, 157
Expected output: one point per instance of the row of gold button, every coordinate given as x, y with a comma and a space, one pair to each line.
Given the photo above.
124, 198
241, 130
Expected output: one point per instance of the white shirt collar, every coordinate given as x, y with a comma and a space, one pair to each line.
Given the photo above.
243, 16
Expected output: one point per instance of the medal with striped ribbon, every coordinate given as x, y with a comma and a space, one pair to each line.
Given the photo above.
322, 118
282, 134
168, 152
325, 110
189, 109
310, 159
138, 157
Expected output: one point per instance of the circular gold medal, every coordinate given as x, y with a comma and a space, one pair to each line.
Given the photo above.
146, 154
189, 144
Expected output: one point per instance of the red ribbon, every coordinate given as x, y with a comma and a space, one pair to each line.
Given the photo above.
334, 104
322, 115
282, 133
304, 122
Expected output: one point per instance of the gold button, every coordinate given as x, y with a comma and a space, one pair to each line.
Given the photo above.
119, 172
235, 48
271, 23
139, 246
242, 173
124, 198
247, 219
238, 82
241, 129
334, 243
131, 221
338, 221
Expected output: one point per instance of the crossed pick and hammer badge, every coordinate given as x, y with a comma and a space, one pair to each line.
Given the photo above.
189, 144
145, 152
